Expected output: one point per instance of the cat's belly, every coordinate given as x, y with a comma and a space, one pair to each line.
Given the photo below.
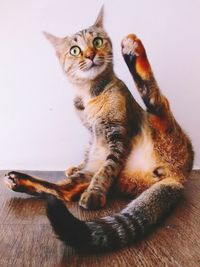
138, 172
142, 156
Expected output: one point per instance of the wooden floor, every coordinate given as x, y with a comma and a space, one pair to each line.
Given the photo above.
26, 238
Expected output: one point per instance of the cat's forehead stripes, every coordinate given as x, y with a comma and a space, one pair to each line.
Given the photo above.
84, 34
85, 38
89, 32
75, 39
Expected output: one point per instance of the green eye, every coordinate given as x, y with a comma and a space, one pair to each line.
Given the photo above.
75, 51
97, 42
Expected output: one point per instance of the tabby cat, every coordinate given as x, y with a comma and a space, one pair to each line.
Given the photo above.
141, 154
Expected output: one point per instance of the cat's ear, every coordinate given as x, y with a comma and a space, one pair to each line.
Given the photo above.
100, 18
57, 42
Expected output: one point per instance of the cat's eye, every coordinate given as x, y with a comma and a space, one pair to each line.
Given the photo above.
75, 51
97, 42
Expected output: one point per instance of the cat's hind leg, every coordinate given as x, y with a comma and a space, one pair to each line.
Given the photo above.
132, 184
136, 59
24, 183
68, 189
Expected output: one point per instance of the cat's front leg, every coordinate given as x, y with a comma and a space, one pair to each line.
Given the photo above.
74, 169
95, 195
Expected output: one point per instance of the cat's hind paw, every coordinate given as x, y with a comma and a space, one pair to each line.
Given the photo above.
131, 45
14, 180
135, 57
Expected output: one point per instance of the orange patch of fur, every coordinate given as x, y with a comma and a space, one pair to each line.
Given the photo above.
36, 187
132, 184
159, 123
143, 67
89, 52
102, 106
75, 192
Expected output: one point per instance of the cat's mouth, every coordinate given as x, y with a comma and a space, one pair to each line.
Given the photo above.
92, 65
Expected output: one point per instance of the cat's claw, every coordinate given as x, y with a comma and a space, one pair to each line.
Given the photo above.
92, 200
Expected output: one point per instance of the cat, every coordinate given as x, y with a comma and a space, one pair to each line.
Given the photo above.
143, 154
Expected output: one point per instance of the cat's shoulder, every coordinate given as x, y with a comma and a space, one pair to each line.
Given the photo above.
117, 86
119, 89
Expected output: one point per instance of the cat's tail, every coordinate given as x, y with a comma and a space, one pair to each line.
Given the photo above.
119, 229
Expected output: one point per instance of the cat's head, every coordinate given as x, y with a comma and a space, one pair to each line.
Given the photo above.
86, 54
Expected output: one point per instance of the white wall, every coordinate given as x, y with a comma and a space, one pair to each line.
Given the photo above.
39, 129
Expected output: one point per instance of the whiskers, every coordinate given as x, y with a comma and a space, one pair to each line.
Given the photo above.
108, 59
105, 59
83, 65
72, 72
80, 69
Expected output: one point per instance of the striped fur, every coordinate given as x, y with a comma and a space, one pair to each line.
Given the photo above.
140, 153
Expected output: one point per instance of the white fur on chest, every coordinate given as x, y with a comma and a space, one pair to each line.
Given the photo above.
85, 97
142, 156
83, 93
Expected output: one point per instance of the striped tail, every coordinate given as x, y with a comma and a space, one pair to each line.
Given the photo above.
120, 229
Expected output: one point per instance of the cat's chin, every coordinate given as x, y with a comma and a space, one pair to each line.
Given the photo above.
91, 73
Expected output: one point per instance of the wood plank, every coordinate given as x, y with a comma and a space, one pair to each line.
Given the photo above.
26, 238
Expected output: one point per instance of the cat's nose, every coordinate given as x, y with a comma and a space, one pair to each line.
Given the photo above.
90, 53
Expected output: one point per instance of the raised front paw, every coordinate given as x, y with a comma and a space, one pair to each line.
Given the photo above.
92, 200
15, 181
71, 170
131, 45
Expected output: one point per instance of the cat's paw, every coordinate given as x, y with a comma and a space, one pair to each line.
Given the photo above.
92, 200
14, 180
71, 170
132, 46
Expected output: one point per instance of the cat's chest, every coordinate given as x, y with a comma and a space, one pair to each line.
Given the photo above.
88, 111
80, 109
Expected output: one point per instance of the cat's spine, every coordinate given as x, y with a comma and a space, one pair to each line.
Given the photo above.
119, 229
